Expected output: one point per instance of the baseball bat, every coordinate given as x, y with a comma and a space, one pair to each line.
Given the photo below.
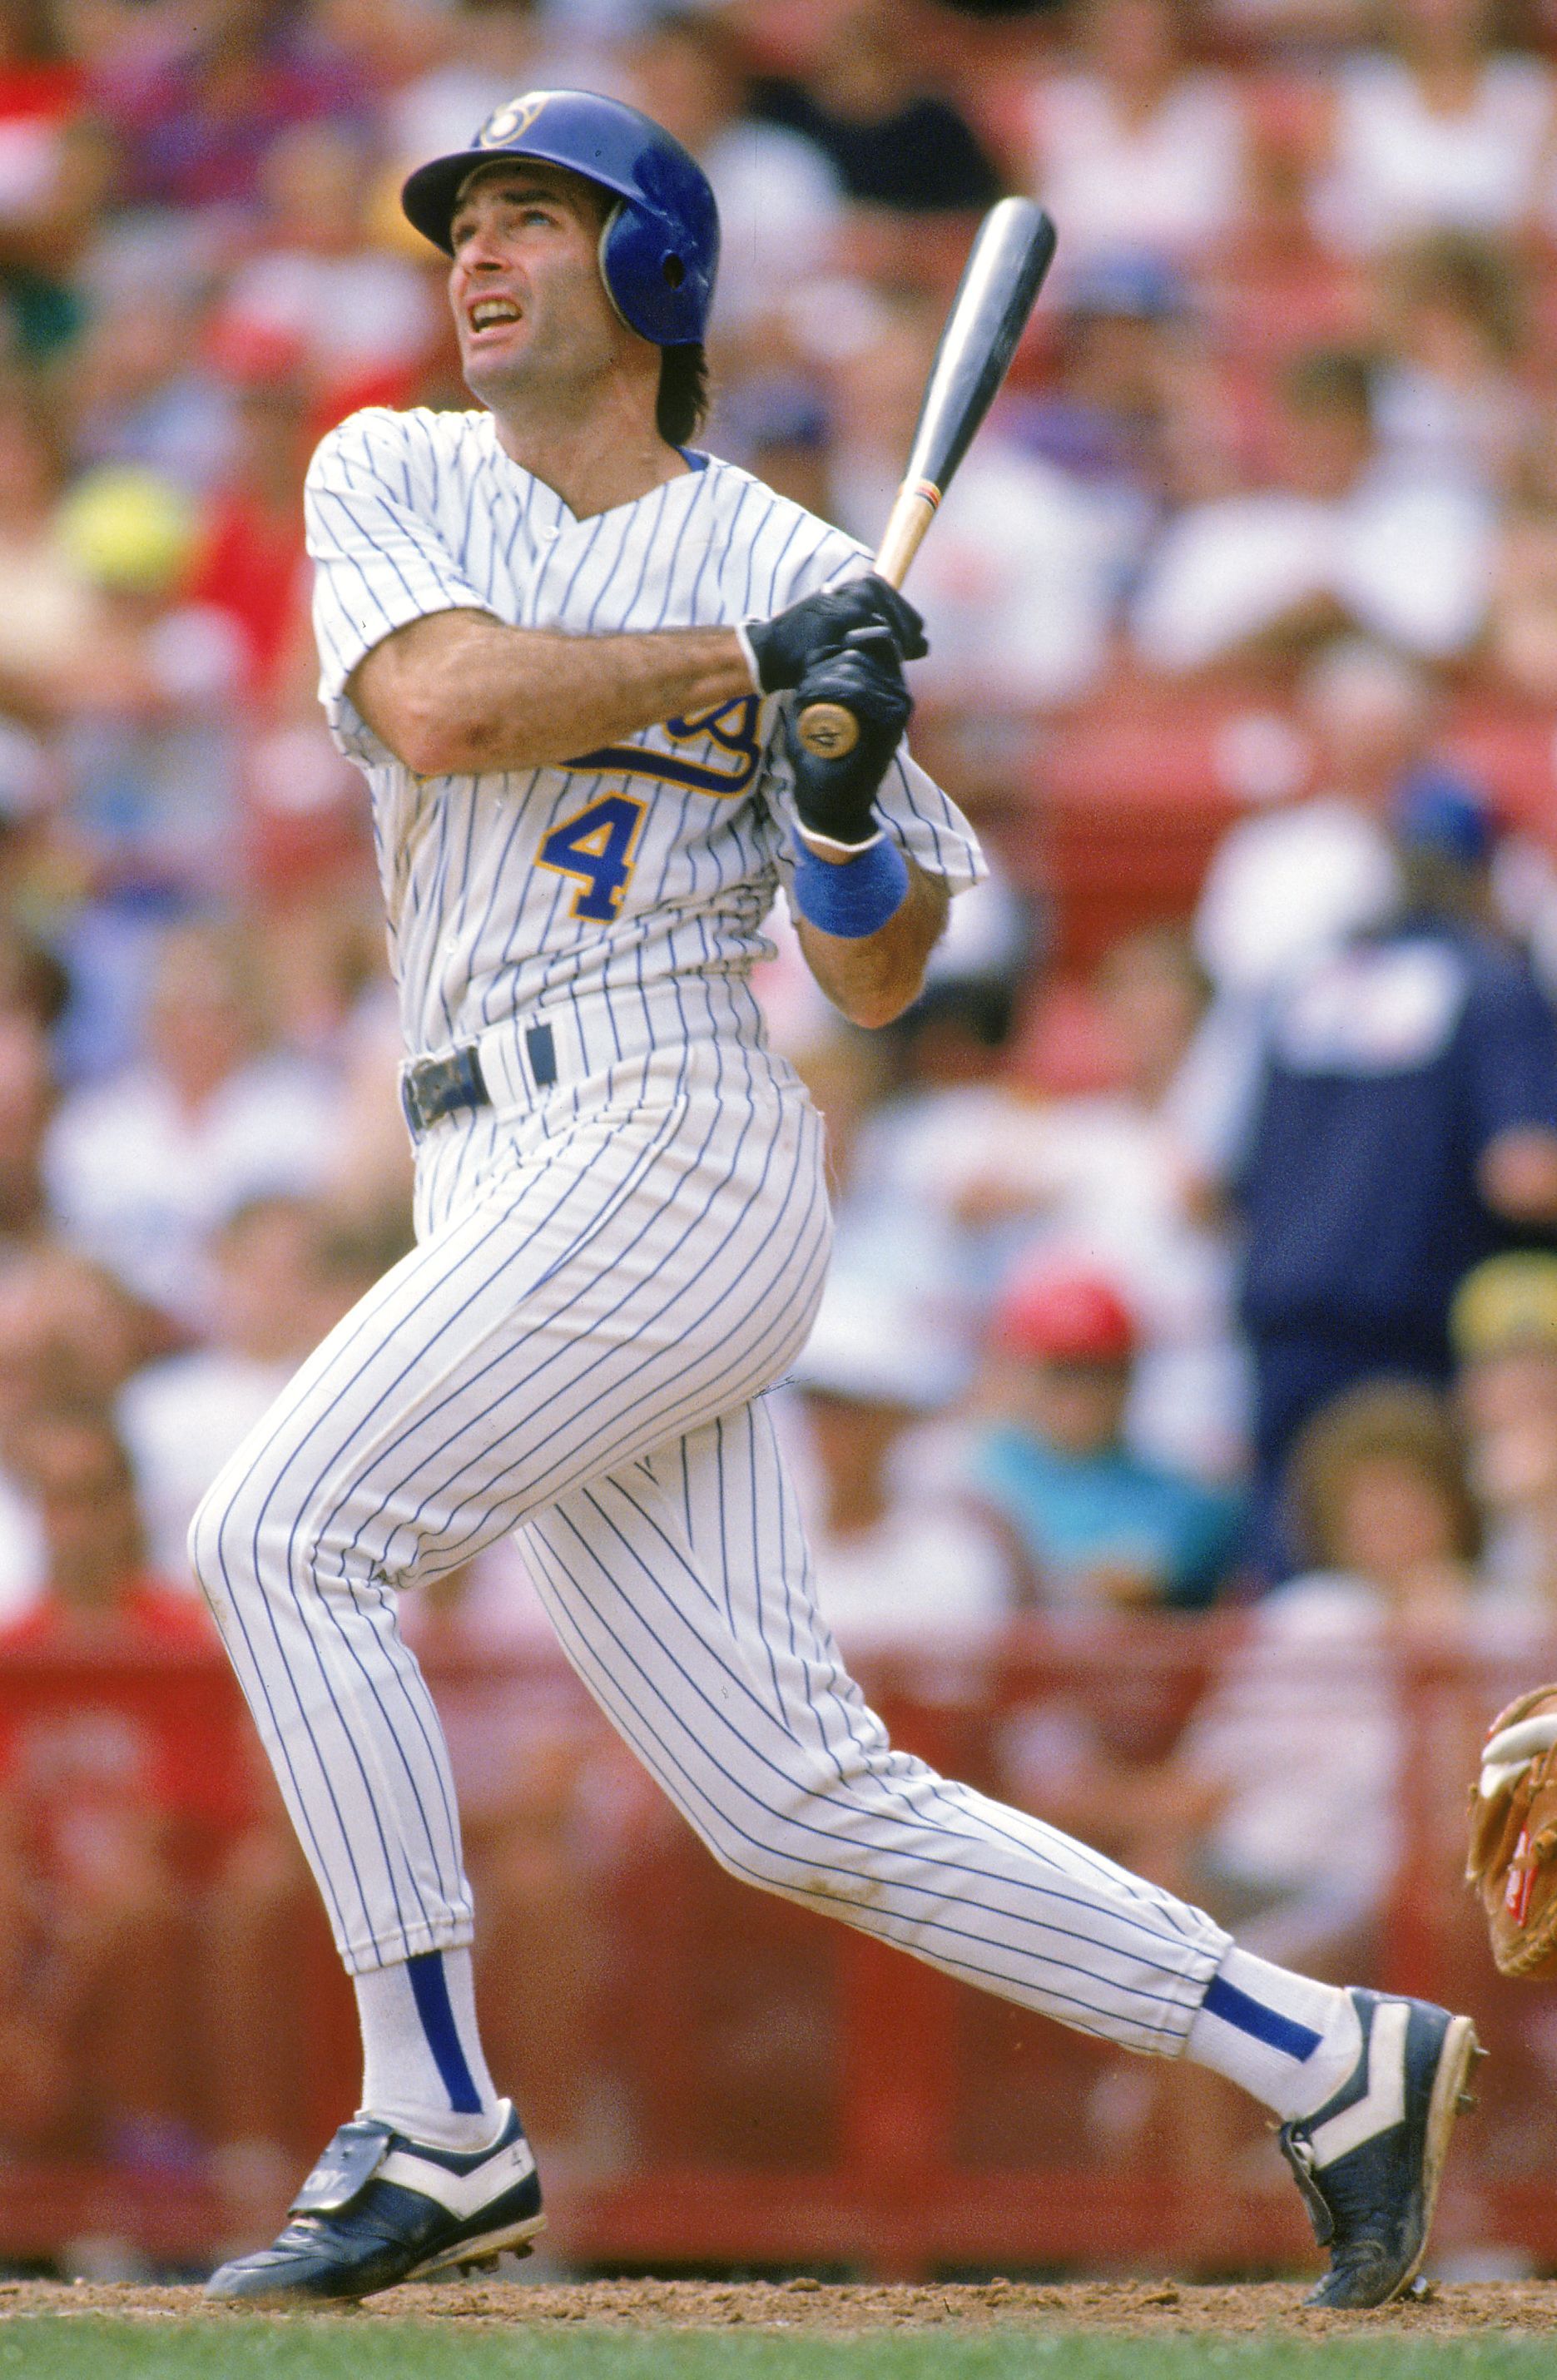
1011, 251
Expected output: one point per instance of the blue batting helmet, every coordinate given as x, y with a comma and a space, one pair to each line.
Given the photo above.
660, 248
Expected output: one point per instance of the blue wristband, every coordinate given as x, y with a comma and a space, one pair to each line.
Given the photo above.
851, 898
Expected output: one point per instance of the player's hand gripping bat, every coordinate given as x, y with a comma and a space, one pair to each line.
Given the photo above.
1002, 278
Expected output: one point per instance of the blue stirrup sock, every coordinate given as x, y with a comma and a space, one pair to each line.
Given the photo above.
422, 2066
853, 897
1287, 2040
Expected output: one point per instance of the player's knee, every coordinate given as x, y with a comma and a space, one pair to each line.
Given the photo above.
791, 1849
203, 1544
819, 1876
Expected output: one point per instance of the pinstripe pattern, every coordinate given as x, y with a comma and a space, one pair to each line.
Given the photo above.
412, 513
578, 1346
609, 1273
593, 1286
680, 1591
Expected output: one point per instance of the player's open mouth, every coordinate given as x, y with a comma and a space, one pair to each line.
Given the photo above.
487, 312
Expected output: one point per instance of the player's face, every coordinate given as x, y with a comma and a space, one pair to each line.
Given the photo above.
1078, 1406
530, 308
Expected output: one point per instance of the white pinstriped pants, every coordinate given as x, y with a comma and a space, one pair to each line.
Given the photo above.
579, 1344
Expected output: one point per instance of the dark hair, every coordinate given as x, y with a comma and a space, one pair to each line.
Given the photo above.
683, 402
1328, 377
32, 980
34, 37
1381, 1420
983, 1007
1455, 268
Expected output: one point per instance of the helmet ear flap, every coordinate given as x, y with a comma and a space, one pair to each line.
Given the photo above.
647, 277
602, 253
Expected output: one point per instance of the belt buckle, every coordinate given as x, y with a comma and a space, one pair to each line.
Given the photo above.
425, 1091
410, 1101
435, 1087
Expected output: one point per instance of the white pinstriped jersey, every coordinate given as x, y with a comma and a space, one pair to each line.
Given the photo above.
605, 1283
643, 865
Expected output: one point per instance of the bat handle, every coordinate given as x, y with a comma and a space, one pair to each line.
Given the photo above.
829, 729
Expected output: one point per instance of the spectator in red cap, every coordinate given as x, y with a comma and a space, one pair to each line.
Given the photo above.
1099, 1525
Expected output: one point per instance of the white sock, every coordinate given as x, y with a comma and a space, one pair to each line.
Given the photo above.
422, 2066
1285, 2039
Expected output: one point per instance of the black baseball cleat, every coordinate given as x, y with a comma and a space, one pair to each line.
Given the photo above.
1369, 2161
379, 2208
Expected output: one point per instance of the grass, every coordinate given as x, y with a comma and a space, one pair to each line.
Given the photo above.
83, 2349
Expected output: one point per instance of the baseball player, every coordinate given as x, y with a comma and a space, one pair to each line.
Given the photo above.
567, 648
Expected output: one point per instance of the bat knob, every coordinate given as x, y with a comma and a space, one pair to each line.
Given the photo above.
827, 730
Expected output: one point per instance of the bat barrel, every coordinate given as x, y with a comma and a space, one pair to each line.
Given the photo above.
1004, 272
1012, 250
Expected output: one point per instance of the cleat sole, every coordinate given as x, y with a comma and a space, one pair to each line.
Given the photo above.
481, 2253
517, 2238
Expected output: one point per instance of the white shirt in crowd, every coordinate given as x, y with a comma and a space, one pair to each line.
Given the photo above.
924, 1569
780, 208
931, 1565
1462, 433
140, 1184
1017, 586
23, 1555
440, 111
1095, 1180
179, 1421
1307, 1730
1304, 1733
1285, 883
1410, 561
353, 316
1399, 166
1173, 185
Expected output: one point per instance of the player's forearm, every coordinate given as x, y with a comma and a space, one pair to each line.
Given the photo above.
458, 693
875, 978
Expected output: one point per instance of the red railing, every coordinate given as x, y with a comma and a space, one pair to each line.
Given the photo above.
713, 2077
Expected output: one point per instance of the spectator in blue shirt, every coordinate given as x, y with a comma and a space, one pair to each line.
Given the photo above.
1403, 1128
1099, 1526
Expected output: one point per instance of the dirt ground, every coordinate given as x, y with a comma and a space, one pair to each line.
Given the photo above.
1161, 2308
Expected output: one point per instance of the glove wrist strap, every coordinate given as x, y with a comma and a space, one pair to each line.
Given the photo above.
855, 897
749, 654
827, 847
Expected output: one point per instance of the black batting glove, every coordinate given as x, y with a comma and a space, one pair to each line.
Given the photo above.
833, 798
785, 647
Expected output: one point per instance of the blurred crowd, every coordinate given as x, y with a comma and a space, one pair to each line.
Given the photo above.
1196, 1251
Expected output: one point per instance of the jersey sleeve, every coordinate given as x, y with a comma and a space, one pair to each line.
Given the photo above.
379, 562
911, 805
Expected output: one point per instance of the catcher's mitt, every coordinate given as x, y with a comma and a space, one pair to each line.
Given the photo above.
1512, 1855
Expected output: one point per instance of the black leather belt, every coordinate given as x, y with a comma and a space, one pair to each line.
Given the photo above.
433, 1088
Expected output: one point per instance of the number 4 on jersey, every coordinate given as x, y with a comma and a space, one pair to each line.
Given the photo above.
596, 845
